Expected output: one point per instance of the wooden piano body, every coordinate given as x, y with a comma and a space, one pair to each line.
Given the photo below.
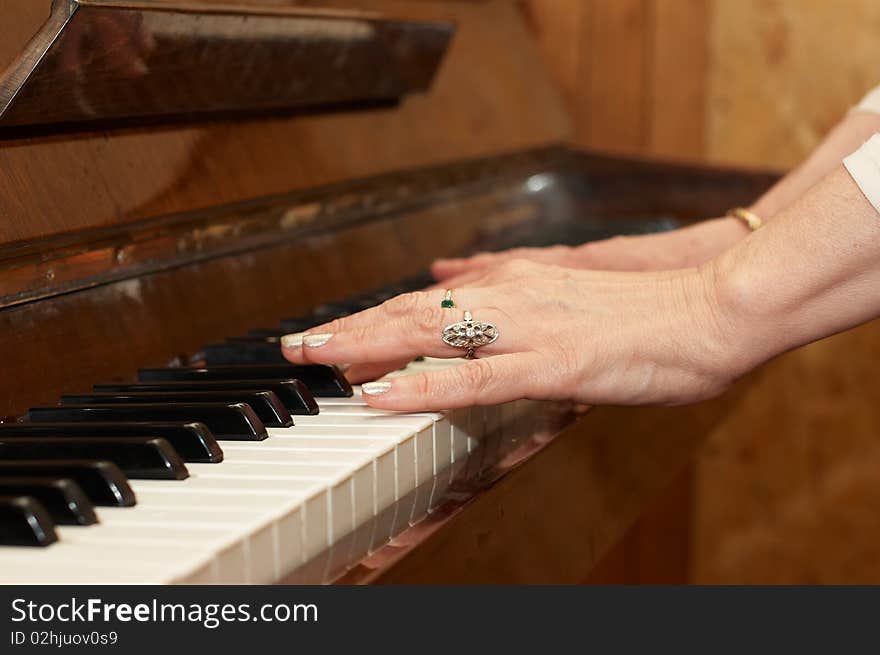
134, 245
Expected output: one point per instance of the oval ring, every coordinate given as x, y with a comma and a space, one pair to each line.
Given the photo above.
469, 334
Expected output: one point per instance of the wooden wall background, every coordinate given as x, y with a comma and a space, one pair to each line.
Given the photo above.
787, 491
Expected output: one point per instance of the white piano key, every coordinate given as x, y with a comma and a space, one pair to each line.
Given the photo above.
423, 427
302, 456
373, 470
443, 431
315, 508
226, 486
106, 562
393, 448
291, 543
244, 541
143, 514
355, 483
181, 535
330, 511
442, 444
301, 470
461, 433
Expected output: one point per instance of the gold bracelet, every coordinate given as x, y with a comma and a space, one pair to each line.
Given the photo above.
749, 217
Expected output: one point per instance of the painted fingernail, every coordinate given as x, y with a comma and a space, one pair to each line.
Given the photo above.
292, 340
376, 388
316, 340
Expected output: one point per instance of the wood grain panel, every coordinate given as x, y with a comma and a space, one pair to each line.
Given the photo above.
787, 492
787, 487
678, 77
782, 72
558, 27
634, 71
67, 183
613, 76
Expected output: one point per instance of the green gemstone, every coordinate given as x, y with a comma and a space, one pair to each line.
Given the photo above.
447, 304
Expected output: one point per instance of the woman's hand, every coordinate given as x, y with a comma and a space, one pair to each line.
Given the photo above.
592, 337
690, 246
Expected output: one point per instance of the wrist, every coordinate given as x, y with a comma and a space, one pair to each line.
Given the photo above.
731, 229
744, 309
702, 345
706, 240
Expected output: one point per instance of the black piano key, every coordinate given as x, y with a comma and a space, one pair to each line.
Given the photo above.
63, 498
330, 311
252, 338
103, 481
322, 314
416, 282
194, 442
257, 351
382, 296
25, 522
267, 406
321, 380
271, 333
139, 457
360, 303
293, 394
298, 324
232, 421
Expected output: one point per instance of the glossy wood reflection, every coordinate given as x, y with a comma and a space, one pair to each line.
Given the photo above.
101, 63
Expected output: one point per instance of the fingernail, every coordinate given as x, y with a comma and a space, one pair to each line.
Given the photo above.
376, 388
292, 340
343, 367
316, 340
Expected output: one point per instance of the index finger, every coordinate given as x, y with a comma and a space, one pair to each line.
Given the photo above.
403, 327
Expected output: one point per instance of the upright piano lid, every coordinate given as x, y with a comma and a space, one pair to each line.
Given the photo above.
490, 95
103, 62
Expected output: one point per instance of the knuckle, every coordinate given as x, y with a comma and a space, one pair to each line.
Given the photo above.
427, 319
333, 327
404, 304
476, 375
359, 334
423, 385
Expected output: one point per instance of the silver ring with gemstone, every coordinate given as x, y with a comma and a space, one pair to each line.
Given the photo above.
469, 335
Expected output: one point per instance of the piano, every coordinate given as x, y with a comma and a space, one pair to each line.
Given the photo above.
183, 183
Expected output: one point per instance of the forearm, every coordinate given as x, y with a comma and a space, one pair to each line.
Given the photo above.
846, 137
813, 271
697, 244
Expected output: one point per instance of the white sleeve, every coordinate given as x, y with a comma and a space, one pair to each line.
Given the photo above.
864, 167
870, 103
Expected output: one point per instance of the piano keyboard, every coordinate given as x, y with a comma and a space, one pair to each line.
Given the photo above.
205, 475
